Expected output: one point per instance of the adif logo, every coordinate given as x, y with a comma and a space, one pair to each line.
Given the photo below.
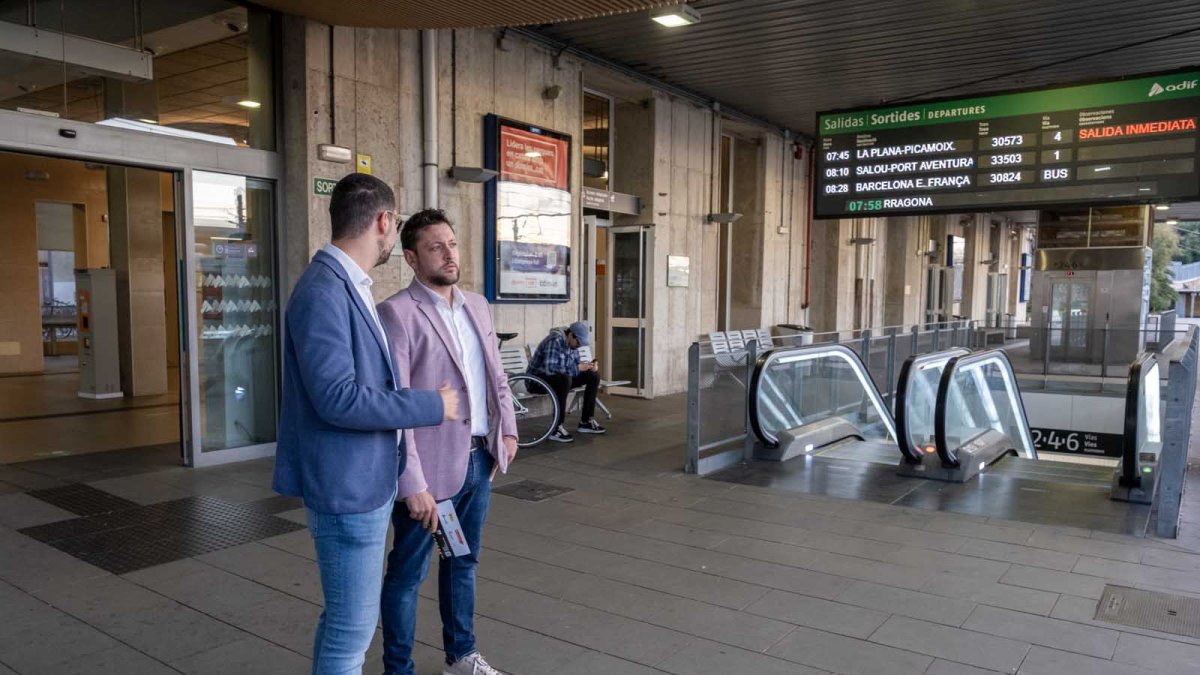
1157, 88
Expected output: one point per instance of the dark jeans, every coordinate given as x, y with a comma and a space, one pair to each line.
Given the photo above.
562, 384
408, 563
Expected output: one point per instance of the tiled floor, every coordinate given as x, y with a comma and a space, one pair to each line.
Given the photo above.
635, 569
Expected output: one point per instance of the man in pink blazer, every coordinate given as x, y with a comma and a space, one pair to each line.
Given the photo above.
440, 333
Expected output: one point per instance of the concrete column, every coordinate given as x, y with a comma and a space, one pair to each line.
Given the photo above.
136, 239
748, 233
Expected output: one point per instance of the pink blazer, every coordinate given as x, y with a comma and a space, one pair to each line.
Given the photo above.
426, 356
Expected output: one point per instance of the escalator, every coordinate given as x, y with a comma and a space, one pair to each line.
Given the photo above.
958, 414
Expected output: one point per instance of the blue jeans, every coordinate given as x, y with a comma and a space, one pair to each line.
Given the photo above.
350, 551
408, 563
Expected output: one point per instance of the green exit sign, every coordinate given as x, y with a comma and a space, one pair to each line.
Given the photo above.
323, 186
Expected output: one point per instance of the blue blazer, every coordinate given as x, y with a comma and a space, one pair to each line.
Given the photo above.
337, 446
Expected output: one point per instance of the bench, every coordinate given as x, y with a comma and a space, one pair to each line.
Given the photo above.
515, 361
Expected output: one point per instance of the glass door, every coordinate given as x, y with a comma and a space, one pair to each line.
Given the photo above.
235, 318
629, 271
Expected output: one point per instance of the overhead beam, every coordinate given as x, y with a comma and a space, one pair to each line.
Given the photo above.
92, 56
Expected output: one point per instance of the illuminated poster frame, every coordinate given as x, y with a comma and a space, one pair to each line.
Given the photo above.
528, 213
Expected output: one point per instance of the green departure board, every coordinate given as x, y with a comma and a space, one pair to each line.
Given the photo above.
1132, 140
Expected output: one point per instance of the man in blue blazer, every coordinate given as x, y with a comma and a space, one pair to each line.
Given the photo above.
339, 446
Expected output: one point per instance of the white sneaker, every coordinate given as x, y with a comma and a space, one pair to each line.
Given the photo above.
471, 664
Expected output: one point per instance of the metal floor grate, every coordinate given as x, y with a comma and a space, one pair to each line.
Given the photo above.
531, 490
1175, 614
138, 536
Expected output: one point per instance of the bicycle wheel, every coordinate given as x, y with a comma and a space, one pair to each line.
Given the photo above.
536, 409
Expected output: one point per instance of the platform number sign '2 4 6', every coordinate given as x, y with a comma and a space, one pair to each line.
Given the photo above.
1078, 442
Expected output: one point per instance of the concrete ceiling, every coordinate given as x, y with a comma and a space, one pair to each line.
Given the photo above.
462, 14
785, 60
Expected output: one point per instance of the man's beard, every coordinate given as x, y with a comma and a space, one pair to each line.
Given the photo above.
385, 254
444, 278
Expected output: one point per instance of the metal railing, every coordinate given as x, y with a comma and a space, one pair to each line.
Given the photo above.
1142, 431
1181, 357
963, 373
917, 413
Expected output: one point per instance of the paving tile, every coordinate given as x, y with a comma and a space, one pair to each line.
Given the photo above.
939, 562
117, 660
250, 655
521, 542
926, 606
1048, 632
1130, 573
158, 626
614, 635
270, 567
213, 591
704, 657
834, 617
886, 573
839, 654
943, 667
595, 663
1176, 560
710, 588
1022, 555
1167, 656
1046, 661
295, 515
284, 621
786, 534
44, 644
30, 565
20, 510
532, 575
146, 488
297, 543
953, 644
681, 614
510, 648
680, 534
952, 524
1085, 546
1054, 581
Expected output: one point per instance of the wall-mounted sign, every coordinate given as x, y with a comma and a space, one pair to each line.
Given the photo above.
323, 187
363, 165
1078, 442
1133, 141
615, 202
528, 213
678, 270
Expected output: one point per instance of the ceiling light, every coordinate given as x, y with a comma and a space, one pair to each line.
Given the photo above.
247, 103
147, 120
1163, 207
1172, 221
679, 15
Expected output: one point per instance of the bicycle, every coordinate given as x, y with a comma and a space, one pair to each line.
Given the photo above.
534, 403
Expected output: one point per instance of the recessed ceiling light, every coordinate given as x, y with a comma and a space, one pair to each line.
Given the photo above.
1163, 207
1172, 221
247, 103
679, 15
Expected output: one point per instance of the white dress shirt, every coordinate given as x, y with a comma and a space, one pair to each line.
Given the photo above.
362, 283
470, 351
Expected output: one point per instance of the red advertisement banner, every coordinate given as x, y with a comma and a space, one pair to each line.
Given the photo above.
531, 158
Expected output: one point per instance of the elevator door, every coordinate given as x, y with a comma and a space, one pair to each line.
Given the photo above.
1070, 312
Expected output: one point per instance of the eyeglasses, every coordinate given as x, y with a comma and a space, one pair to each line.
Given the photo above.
396, 217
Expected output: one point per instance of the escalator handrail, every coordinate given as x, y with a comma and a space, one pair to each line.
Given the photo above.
1131, 475
856, 362
948, 455
903, 438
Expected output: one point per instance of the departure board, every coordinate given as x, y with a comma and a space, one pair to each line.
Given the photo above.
1125, 141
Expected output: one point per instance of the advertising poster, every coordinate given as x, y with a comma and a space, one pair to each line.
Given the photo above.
532, 213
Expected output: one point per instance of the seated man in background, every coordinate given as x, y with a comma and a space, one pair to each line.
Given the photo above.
557, 362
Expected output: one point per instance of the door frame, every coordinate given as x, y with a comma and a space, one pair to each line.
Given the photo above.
643, 323
66, 139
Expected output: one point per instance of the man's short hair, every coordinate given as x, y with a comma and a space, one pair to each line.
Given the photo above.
419, 221
357, 199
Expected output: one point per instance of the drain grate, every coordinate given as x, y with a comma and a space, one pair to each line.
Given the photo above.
1163, 612
531, 490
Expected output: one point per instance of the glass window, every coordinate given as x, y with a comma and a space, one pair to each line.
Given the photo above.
597, 126
238, 315
212, 69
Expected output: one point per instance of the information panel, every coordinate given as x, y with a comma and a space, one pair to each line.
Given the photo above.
1131, 140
